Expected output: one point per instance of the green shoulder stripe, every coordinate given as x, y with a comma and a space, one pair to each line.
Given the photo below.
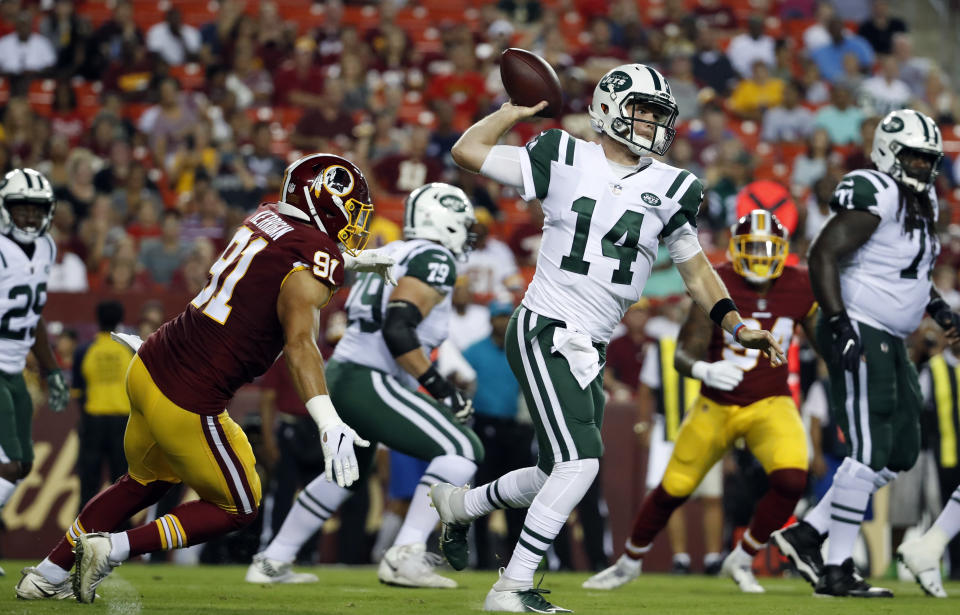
543, 150
855, 192
689, 207
434, 266
681, 177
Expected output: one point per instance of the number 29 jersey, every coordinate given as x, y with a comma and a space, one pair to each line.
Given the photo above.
786, 304
601, 231
886, 282
366, 307
230, 333
23, 293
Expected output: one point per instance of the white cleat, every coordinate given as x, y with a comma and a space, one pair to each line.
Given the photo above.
922, 557
622, 572
92, 553
508, 596
35, 586
738, 566
265, 570
412, 566
448, 500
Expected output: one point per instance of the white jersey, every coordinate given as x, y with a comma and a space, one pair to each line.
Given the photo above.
886, 282
366, 307
601, 231
23, 293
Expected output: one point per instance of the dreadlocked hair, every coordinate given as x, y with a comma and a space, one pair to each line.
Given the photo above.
916, 211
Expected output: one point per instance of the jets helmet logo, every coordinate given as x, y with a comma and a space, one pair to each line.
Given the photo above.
893, 124
617, 81
453, 203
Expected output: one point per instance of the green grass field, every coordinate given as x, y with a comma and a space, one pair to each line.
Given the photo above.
138, 588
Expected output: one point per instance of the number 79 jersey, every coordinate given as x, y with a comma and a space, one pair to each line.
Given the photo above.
230, 333
366, 307
600, 231
23, 293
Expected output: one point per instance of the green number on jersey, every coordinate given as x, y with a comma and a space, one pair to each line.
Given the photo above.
37, 297
367, 295
910, 273
628, 224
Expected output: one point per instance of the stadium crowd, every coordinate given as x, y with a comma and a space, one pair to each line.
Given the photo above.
161, 130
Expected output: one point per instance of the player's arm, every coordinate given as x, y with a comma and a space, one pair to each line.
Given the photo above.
411, 302
842, 235
689, 359
471, 149
298, 308
708, 291
57, 390
809, 325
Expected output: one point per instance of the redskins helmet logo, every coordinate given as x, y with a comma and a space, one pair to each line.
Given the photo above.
338, 180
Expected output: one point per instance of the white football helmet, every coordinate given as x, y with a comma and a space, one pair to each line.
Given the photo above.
909, 132
442, 213
631, 83
27, 187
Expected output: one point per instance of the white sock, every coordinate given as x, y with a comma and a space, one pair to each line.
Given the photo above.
949, 519
853, 484
819, 515
315, 504
120, 547
512, 490
51, 572
6, 490
561, 492
421, 516
682, 558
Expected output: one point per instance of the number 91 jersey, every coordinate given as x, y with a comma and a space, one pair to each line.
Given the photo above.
230, 333
786, 304
23, 293
601, 230
366, 307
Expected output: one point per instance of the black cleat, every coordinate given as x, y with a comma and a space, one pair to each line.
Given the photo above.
800, 543
842, 581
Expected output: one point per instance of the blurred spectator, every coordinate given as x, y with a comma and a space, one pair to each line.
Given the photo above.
841, 118
114, 172
815, 89
131, 72
939, 99
711, 66
469, 322
406, 171
68, 34
860, 158
829, 58
490, 262
135, 194
811, 165
880, 28
207, 215
152, 315
68, 274
250, 83
24, 51
625, 354
853, 10
328, 123
174, 41
751, 46
299, 81
18, 121
330, 36
195, 155
106, 44
192, 277
852, 76
215, 35
65, 120
527, 235
715, 14
521, 11
168, 123
163, 256
144, 223
264, 166
789, 121
753, 96
54, 167
444, 134
352, 73
681, 155
464, 85
816, 35
728, 175
79, 190
99, 370
98, 232
884, 92
382, 231
913, 70
818, 207
684, 88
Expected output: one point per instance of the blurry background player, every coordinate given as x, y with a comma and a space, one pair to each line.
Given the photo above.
870, 269
663, 399
373, 376
741, 396
262, 298
26, 254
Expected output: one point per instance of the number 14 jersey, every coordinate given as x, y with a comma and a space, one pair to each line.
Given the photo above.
600, 230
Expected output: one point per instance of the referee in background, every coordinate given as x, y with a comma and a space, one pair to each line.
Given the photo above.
99, 370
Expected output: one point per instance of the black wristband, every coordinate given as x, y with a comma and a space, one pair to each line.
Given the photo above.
722, 308
435, 384
840, 319
936, 305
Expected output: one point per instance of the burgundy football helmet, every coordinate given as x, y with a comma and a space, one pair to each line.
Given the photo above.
759, 246
330, 192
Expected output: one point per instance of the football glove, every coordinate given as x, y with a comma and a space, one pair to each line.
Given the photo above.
339, 458
846, 343
57, 391
940, 311
374, 261
460, 406
444, 392
720, 375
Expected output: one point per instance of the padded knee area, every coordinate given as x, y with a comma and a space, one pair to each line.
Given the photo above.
855, 476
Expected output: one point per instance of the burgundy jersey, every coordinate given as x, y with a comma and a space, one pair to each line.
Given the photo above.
230, 333
785, 305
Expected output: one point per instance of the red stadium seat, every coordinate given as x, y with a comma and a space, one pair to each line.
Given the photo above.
191, 76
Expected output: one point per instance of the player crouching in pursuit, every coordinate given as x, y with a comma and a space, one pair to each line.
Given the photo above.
606, 206
263, 296
740, 397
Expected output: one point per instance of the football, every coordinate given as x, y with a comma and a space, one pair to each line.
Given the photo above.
528, 79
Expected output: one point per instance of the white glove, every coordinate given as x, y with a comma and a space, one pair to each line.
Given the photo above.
722, 375
372, 260
339, 458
